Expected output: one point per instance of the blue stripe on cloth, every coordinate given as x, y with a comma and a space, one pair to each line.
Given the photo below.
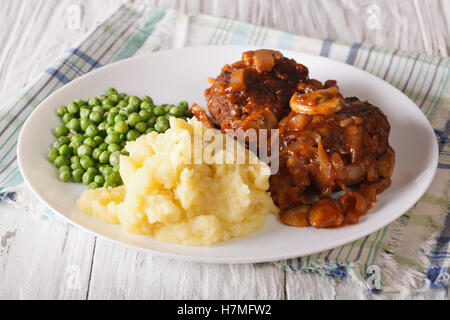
411, 72
368, 57
85, 57
390, 64
351, 58
326, 47
439, 277
58, 75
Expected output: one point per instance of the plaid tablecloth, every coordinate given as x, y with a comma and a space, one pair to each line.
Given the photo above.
412, 253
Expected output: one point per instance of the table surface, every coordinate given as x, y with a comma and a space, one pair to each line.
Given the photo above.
41, 259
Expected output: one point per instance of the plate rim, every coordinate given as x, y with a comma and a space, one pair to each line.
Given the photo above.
225, 260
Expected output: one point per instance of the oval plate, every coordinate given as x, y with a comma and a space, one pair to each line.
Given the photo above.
182, 74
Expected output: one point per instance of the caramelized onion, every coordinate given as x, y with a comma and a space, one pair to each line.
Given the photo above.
326, 213
237, 79
201, 115
299, 121
297, 217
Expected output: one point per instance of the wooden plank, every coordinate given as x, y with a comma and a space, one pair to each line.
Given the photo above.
42, 259
120, 273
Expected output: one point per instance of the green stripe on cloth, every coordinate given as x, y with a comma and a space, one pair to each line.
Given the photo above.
134, 29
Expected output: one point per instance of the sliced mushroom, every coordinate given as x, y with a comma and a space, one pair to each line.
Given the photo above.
325, 101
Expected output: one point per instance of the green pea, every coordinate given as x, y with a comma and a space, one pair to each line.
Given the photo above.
149, 130
111, 116
104, 157
92, 130
73, 107
93, 170
132, 135
57, 144
162, 124
75, 145
114, 147
77, 174
133, 119
114, 179
122, 104
103, 146
63, 140
114, 98
88, 177
135, 101
124, 152
147, 99
80, 102
74, 159
113, 137
65, 175
61, 111
114, 158
115, 109
159, 111
177, 111
131, 108
184, 104
151, 122
111, 91
98, 109
52, 155
84, 123
77, 137
141, 127
67, 117
120, 126
64, 168
102, 97
109, 129
60, 131
61, 161
107, 170
96, 117
168, 107
65, 150
84, 113
84, 150
145, 115
74, 125
98, 140
96, 153
90, 142
86, 162
94, 102
146, 105
99, 179
93, 185
75, 166
119, 118
102, 126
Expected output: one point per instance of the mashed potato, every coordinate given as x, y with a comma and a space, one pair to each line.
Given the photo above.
170, 194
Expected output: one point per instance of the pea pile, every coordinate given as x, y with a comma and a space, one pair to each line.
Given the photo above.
94, 133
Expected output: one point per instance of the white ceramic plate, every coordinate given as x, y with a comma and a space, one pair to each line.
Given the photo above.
171, 76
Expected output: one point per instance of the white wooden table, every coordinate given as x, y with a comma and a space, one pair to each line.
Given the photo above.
40, 259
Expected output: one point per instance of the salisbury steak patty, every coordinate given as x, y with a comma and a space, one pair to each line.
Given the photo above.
327, 152
255, 92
